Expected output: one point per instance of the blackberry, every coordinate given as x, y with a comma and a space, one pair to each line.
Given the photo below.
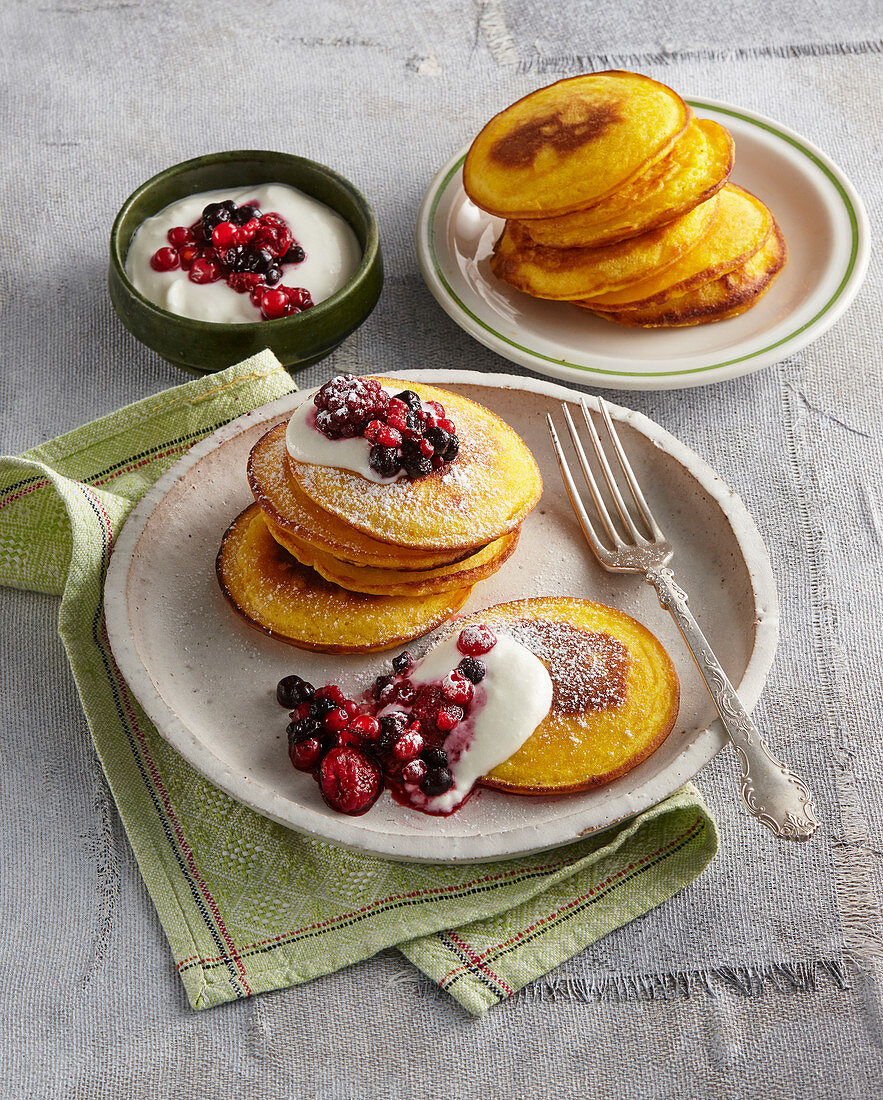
385, 460
446, 445
415, 463
411, 399
302, 729
292, 690
351, 401
243, 214
402, 663
473, 669
380, 685
436, 781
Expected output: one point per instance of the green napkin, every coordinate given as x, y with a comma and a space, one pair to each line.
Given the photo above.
248, 905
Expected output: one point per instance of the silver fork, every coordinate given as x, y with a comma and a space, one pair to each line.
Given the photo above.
770, 791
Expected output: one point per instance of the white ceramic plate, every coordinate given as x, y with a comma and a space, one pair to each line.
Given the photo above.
207, 680
821, 215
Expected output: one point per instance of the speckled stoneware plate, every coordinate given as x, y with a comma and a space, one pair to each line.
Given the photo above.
820, 213
207, 680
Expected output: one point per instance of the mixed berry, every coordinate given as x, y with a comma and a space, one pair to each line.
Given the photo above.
243, 247
395, 738
405, 433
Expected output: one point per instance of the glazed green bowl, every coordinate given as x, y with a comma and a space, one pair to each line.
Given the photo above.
297, 341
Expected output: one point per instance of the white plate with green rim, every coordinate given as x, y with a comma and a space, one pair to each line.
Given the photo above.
821, 215
207, 679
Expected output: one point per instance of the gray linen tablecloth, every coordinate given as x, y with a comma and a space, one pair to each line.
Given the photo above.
764, 978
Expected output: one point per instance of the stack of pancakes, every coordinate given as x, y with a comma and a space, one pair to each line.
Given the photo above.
327, 560
617, 199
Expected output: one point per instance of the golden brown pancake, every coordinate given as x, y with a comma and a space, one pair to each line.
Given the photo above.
719, 300
697, 167
566, 274
481, 496
393, 582
615, 694
569, 145
288, 601
740, 229
287, 506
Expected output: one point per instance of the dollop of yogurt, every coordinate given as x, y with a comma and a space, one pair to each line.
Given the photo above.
332, 252
507, 706
305, 443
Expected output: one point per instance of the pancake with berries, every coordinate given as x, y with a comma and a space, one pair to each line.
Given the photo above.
406, 464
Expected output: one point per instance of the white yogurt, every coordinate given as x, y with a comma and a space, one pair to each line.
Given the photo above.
306, 443
332, 252
507, 706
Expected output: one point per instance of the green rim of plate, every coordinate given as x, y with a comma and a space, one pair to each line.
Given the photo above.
751, 120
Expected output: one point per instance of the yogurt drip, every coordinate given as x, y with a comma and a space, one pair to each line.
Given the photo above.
507, 706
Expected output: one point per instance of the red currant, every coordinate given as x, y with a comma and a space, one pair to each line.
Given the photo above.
180, 235
165, 259
475, 640
275, 303
224, 235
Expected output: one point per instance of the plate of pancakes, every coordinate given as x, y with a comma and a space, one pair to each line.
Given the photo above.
207, 677
604, 230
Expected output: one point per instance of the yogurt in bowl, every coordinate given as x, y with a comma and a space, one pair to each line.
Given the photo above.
239, 275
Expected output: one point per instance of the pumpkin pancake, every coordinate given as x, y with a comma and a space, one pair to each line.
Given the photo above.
697, 167
615, 694
288, 507
571, 144
566, 274
740, 229
276, 594
392, 582
729, 296
485, 493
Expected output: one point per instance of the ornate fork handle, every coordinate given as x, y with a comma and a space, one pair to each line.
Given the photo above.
770, 791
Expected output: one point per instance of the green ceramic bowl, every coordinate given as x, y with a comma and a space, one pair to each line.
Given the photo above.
297, 341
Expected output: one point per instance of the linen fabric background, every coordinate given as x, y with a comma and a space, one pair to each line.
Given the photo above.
765, 975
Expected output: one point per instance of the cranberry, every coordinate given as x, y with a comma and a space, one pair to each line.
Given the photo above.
274, 304
332, 692
305, 755
292, 690
204, 271
473, 669
180, 235
475, 640
409, 745
366, 725
224, 235
349, 780
414, 771
457, 689
188, 255
436, 781
336, 720
165, 259
448, 717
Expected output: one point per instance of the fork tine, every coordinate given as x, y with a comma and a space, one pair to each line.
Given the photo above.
624, 513
570, 485
646, 514
598, 500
